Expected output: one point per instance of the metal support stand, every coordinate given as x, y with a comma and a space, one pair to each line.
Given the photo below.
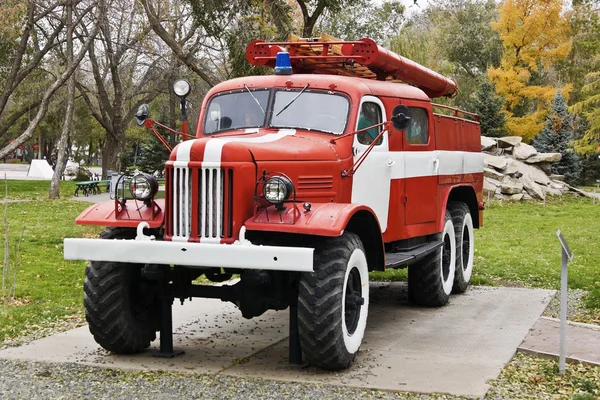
166, 330
566, 256
295, 348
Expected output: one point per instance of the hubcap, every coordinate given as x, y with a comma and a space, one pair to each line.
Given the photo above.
353, 300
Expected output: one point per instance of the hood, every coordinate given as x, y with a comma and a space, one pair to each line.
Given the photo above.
280, 145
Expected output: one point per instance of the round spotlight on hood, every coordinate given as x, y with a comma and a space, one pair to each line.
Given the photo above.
143, 186
182, 88
277, 189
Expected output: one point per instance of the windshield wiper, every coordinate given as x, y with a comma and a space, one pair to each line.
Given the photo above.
293, 100
255, 99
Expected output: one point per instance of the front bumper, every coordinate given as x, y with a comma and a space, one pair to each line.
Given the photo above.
238, 255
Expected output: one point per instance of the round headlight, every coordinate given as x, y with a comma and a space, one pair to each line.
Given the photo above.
181, 88
143, 186
277, 189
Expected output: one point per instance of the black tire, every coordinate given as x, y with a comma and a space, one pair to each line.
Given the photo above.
333, 303
121, 307
430, 281
463, 232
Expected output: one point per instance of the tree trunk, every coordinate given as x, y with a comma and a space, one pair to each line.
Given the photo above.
111, 154
89, 153
61, 157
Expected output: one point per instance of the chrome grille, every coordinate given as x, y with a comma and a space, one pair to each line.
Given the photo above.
182, 203
208, 185
210, 203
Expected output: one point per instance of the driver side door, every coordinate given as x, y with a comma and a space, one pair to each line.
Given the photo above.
371, 181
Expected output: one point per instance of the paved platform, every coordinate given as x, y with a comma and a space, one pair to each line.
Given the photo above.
583, 341
455, 349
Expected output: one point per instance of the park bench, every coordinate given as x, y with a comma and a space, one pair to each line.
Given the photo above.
90, 187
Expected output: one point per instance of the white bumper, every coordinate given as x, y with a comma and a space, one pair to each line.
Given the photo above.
240, 255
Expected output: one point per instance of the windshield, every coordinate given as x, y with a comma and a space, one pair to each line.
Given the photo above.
299, 109
236, 111
310, 110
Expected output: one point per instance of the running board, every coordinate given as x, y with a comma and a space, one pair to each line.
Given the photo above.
403, 258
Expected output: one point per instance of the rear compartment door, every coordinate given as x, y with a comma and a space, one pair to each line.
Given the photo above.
421, 166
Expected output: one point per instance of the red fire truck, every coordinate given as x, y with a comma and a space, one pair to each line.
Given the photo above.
301, 182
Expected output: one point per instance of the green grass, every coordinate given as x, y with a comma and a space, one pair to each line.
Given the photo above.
518, 243
34, 190
48, 288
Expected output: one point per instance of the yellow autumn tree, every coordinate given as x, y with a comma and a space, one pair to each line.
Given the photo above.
535, 35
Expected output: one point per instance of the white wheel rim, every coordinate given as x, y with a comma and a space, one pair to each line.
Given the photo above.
449, 234
468, 268
352, 341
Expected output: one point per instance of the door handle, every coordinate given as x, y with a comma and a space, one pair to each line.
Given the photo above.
390, 163
436, 165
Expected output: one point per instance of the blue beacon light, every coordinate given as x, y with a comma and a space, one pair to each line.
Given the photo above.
283, 65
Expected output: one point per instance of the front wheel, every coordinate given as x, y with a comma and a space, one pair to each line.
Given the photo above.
333, 303
121, 307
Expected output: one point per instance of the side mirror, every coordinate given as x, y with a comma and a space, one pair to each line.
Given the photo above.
142, 115
400, 118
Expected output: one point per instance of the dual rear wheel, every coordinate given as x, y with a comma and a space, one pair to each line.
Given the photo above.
448, 269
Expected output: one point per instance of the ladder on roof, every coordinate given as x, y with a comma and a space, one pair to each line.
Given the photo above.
360, 58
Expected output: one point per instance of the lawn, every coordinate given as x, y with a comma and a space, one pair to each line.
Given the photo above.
516, 246
49, 289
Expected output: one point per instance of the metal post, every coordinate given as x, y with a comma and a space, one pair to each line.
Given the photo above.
295, 350
563, 312
566, 256
184, 127
166, 321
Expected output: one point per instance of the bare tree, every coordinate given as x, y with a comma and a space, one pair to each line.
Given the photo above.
58, 83
178, 44
59, 167
126, 66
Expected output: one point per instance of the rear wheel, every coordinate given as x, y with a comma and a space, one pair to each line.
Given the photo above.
333, 303
463, 231
430, 281
121, 307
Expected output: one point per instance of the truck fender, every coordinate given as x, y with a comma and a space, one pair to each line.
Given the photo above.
104, 214
325, 219
463, 193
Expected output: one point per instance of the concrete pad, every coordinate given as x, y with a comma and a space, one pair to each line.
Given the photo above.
454, 349
212, 333
583, 341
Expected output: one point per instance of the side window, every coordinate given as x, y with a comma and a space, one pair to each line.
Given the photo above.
370, 114
418, 128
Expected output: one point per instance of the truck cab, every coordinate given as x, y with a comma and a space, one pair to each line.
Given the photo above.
301, 182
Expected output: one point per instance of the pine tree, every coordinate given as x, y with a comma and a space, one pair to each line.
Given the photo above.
489, 107
556, 137
152, 157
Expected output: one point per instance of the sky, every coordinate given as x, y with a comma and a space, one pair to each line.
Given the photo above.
410, 5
